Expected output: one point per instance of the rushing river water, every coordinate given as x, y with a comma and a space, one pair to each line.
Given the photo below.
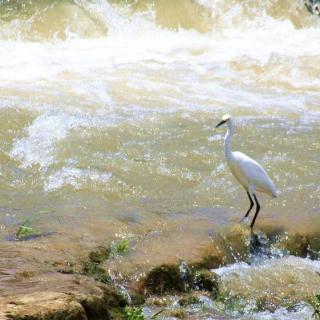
108, 108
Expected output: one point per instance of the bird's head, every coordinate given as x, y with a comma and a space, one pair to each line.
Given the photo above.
224, 120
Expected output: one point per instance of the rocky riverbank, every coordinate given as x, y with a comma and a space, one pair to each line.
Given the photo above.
110, 277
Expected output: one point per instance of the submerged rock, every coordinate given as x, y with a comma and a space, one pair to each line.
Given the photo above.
169, 278
294, 244
163, 279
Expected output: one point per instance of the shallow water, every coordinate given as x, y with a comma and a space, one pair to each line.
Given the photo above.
108, 108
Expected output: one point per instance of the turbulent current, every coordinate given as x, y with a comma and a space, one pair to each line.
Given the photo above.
108, 109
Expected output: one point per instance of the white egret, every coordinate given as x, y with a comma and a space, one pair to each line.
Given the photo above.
249, 173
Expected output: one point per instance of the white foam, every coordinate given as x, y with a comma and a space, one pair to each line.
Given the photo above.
39, 146
289, 261
302, 312
76, 178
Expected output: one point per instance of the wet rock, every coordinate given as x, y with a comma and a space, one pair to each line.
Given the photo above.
207, 280
163, 279
294, 244
88, 301
44, 306
238, 241
106, 303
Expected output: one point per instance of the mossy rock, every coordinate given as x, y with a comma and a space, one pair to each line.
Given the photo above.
92, 269
207, 280
107, 303
163, 279
100, 254
294, 244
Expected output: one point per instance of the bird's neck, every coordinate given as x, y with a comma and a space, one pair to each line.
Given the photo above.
227, 141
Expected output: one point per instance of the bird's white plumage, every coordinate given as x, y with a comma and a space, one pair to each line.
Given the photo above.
249, 173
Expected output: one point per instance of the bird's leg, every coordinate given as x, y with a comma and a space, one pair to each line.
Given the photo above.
251, 206
257, 211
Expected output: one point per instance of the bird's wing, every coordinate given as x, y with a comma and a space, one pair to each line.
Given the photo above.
255, 173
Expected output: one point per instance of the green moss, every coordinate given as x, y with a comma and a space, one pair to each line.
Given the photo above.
121, 247
132, 313
26, 231
92, 269
99, 255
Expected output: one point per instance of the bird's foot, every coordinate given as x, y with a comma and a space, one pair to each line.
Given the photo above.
244, 220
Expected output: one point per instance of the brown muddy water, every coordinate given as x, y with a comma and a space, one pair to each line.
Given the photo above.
107, 115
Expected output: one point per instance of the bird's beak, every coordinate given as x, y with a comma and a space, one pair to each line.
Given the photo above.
221, 123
